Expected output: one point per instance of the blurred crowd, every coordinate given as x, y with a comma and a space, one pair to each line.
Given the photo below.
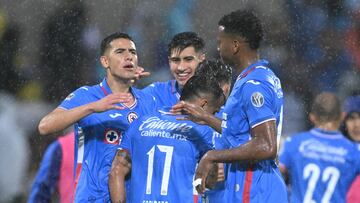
314, 46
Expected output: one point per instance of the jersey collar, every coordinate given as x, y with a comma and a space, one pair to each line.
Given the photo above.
106, 89
250, 68
165, 110
175, 88
326, 134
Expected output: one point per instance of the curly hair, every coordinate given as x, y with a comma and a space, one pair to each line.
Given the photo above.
244, 23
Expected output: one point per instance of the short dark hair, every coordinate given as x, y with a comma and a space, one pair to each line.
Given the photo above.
244, 23
217, 69
198, 86
105, 44
326, 107
186, 39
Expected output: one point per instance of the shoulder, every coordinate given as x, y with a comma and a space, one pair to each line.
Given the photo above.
294, 138
263, 79
144, 97
157, 85
82, 91
263, 74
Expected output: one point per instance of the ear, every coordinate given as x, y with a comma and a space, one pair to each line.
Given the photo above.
104, 61
202, 57
343, 115
203, 103
312, 118
236, 46
226, 90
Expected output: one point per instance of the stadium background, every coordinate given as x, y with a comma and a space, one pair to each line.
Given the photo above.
48, 48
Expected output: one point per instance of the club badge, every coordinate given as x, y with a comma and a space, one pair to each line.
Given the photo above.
131, 117
257, 99
112, 137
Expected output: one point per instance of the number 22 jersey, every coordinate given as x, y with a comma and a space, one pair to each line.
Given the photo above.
321, 165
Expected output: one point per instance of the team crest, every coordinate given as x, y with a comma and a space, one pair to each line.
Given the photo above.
112, 137
131, 117
257, 99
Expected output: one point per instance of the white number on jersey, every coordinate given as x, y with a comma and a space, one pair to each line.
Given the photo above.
330, 175
167, 166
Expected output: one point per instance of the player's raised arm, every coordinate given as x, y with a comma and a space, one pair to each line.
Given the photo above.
60, 118
196, 114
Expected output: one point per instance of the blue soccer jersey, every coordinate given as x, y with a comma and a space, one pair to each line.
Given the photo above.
256, 98
164, 154
217, 194
165, 93
321, 165
97, 137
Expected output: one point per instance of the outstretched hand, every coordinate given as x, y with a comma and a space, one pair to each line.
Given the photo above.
191, 111
140, 73
111, 101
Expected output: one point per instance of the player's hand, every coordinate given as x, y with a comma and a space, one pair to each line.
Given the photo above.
220, 172
202, 173
111, 101
192, 112
140, 73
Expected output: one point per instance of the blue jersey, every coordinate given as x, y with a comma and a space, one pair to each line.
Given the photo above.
321, 165
217, 194
165, 93
47, 177
165, 152
97, 137
256, 98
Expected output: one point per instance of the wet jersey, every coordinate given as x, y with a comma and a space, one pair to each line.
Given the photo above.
321, 165
165, 93
256, 98
97, 138
165, 152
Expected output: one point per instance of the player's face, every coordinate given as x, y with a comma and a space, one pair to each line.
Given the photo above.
353, 126
184, 63
225, 43
120, 59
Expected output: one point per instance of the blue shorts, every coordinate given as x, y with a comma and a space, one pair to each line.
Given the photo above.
261, 182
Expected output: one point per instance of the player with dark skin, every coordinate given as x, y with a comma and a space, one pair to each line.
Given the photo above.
236, 51
205, 99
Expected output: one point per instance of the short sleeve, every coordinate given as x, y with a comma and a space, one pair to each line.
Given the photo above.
257, 99
75, 99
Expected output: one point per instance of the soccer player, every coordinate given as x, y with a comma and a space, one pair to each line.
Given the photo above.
56, 172
165, 151
252, 117
352, 131
100, 114
186, 51
223, 75
321, 163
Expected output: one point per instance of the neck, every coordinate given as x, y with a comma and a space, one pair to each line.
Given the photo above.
245, 59
118, 85
329, 126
